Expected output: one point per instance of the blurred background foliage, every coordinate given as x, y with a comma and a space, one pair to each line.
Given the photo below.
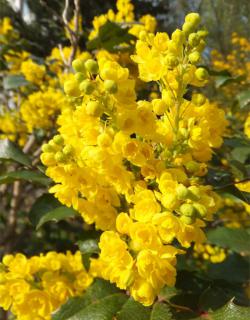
41, 26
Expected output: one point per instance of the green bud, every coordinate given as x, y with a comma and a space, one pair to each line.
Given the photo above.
110, 86
94, 108
194, 57
200, 209
67, 150
78, 65
201, 74
194, 193
58, 139
192, 166
202, 33
188, 27
198, 99
193, 39
91, 66
187, 210
60, 157
178, 36
87, 86
47, 148
182, 192
71, 88
171, 60
193, 18
80, 76
187, 220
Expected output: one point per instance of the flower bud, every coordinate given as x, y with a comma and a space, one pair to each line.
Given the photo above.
201, 74
200, 209
48, 159
188, 27
80, 76
182, 192
110, 86
87, 86
67, 150
194, 193
192, 166
91, 66
187, 220
78, 65
171, 60
193, 40
178, 36
193, 18
58, 139
60, 157
187, 210
94, 108
47, 148
198, 99
71, 88
194, 57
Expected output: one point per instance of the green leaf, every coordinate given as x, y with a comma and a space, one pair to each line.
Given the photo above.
227, 270
223, 80
230, 312
161, 312
167, 292
26, 175
241, 153
60, 213
88, 248
98, 290
237, 240
243, 99
9, 151
110, 36
213, 298
133, 310
47, 208
14, 81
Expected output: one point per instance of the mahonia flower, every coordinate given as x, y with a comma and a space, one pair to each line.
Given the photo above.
33, 72
45, 282
133, 167
212, 253
40, 108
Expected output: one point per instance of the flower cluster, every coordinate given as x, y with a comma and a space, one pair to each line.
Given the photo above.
32, 288
133, 167
209, 252
125, 14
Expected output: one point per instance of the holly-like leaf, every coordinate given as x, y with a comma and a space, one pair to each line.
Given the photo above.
88, 248
27, 175
9, 151
110, 37
57, 214
237, 240
230, 311
243, 99
133, 310
161, 311
14, 82
98, 290
224, 80
47, 208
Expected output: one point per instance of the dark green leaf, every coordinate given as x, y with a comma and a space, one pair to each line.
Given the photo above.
14, 81
230, 312
98, 290
241, 153
227, 270
243, 99
57, 214
9, 151
161, 312
213, 298
88, 248
237, 240
133, 310
223, 80
110, 36
26, 175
